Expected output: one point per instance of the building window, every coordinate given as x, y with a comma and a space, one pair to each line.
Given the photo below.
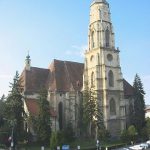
92, 58
112, 105
107, 37
92, 80
92, 38
60, 110
111, 78
98, 60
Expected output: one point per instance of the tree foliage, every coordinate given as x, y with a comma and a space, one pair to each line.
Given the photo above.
125, 136
148, 127
53, 140
132, 133
14, 110
2, 108
129, 135
139, 104
42, 121
92, 111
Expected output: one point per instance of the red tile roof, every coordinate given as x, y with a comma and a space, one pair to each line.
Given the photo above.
128, 89
33, 108
66, 74
60, 76
35, 79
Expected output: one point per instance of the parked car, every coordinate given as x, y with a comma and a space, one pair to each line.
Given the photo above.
144, 145
148, 142
136, 147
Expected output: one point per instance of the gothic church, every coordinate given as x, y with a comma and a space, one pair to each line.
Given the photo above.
65, 80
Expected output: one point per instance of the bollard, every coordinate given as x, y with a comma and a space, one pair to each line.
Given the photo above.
106, 148
78, 147
42, 147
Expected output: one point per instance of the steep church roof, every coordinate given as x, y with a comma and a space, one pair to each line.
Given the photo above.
61, 76
128, 89
66, 74
34, 79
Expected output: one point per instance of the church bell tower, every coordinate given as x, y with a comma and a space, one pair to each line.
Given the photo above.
102, 67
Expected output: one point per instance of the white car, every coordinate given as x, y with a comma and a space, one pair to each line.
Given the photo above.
136, 147
148, 142
144, 145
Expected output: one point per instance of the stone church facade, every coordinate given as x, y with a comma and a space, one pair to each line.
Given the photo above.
65, 80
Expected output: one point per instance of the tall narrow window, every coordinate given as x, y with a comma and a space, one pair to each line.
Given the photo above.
92, 79
92, 38
60, 109
107, 37
111, 78
98, 60
112, 106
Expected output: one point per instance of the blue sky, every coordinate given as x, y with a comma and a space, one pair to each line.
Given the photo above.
59, 29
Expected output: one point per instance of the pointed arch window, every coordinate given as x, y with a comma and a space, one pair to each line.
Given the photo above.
112, 105
91, 58
92, 79
92, 39
107, 37
111, 78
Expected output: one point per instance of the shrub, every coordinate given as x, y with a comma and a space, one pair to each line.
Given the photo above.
103, 135
53, 140
124, 136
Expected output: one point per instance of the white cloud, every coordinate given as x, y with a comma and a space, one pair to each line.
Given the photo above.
77, 50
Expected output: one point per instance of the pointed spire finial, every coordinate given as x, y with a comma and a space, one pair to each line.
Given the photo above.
28, 56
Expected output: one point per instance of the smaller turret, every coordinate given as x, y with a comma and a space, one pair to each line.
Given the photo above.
27, 62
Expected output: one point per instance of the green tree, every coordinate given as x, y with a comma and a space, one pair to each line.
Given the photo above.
53, 141
148, 127
144, 134
92, 112
2, 107
139, 104
14, 110
42, 121
132, 133
125, 136
103, 135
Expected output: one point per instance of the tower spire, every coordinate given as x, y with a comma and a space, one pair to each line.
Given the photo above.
28, 62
